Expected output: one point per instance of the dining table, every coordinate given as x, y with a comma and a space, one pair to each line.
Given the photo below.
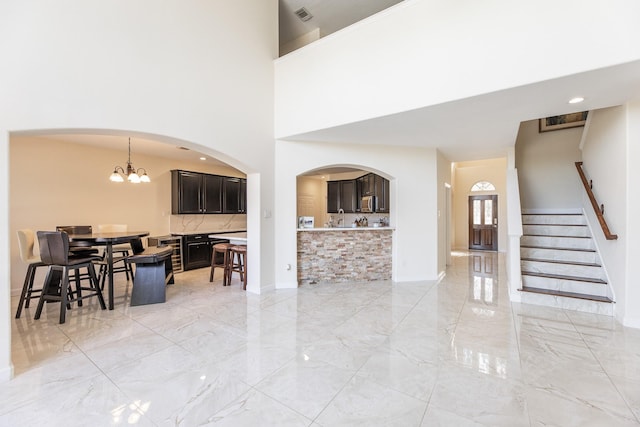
108, 239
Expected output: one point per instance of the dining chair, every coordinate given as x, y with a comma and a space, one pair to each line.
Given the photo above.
79, 248
26, 241
120, 254
54, 252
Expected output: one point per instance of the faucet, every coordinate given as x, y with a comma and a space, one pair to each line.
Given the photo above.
341, 221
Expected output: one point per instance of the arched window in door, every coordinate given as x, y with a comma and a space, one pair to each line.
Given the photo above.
483, 186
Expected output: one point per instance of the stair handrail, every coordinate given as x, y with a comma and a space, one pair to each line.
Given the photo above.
599, 210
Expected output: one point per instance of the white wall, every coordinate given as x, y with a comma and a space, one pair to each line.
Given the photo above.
605, 162
312, 198
445, 218
199, 75
425, 52
467, 174
413, 189
632, 303
546, 167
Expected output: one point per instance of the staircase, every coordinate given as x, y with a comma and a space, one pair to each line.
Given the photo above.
560, 265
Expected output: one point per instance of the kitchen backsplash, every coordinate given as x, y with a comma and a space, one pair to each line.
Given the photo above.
206, 223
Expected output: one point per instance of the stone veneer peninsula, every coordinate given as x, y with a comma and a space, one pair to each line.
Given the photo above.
334, 255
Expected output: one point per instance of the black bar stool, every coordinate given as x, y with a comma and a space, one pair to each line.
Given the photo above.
54, 252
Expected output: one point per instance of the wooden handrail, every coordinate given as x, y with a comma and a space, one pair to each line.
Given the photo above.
599, 210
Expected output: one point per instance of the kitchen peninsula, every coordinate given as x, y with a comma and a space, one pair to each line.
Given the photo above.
341, 254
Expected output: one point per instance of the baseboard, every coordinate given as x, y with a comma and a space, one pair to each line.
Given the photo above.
6, 373
286, 285
631, 322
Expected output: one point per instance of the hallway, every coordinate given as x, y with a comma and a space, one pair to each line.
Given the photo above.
453, 353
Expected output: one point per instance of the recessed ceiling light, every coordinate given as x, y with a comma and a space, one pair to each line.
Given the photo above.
576, 100
203, 158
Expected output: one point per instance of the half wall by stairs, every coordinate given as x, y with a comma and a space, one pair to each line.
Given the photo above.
560, 264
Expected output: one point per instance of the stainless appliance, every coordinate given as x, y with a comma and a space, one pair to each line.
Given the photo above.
176, 243
305, 222
368, 204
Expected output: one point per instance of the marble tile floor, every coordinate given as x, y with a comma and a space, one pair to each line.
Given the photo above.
452, 353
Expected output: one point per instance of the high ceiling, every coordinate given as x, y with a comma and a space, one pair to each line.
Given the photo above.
474, 128
327, 15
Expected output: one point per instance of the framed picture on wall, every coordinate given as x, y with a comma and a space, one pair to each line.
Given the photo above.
563, 121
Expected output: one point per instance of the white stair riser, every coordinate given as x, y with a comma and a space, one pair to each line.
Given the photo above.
553, 219
565, 285
567, 303
557, 242
563, 269
557, 230
559, 255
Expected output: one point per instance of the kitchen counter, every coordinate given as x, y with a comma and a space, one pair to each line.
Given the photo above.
338, 255
347, 229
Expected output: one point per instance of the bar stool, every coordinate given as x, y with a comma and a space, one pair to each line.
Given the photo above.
26, 240
238, 262
54, 251
220, 258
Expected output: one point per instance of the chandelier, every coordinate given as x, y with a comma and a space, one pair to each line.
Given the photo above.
132, 174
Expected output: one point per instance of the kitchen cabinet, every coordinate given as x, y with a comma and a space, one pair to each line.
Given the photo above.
235, 195
201, 193
341, 195
367, 185
382, 194
333, 196
198, 249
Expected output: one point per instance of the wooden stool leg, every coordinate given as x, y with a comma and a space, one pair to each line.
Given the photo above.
244, 271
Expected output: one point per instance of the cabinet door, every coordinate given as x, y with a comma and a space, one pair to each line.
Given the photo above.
212, 194
368, 185
187, 192
382, 194
243, 196
348, 195
333, 196
231, 195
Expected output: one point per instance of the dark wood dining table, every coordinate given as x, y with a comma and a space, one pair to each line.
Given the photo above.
108, 240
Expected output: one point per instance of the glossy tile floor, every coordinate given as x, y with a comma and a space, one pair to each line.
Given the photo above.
453, 353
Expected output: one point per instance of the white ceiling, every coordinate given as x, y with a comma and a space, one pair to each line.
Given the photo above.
485, 126
327, 15
146, 146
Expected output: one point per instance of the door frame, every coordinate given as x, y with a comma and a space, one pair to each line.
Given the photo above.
494, 226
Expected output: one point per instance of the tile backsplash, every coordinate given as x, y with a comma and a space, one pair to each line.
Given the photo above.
206, 223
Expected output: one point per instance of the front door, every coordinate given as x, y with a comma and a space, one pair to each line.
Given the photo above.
483, 223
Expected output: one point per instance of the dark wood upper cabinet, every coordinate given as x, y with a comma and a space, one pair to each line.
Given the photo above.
235, 195
382, 194
333, 196
347, 194
342, 195
212, 194
186, 192
201, 193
